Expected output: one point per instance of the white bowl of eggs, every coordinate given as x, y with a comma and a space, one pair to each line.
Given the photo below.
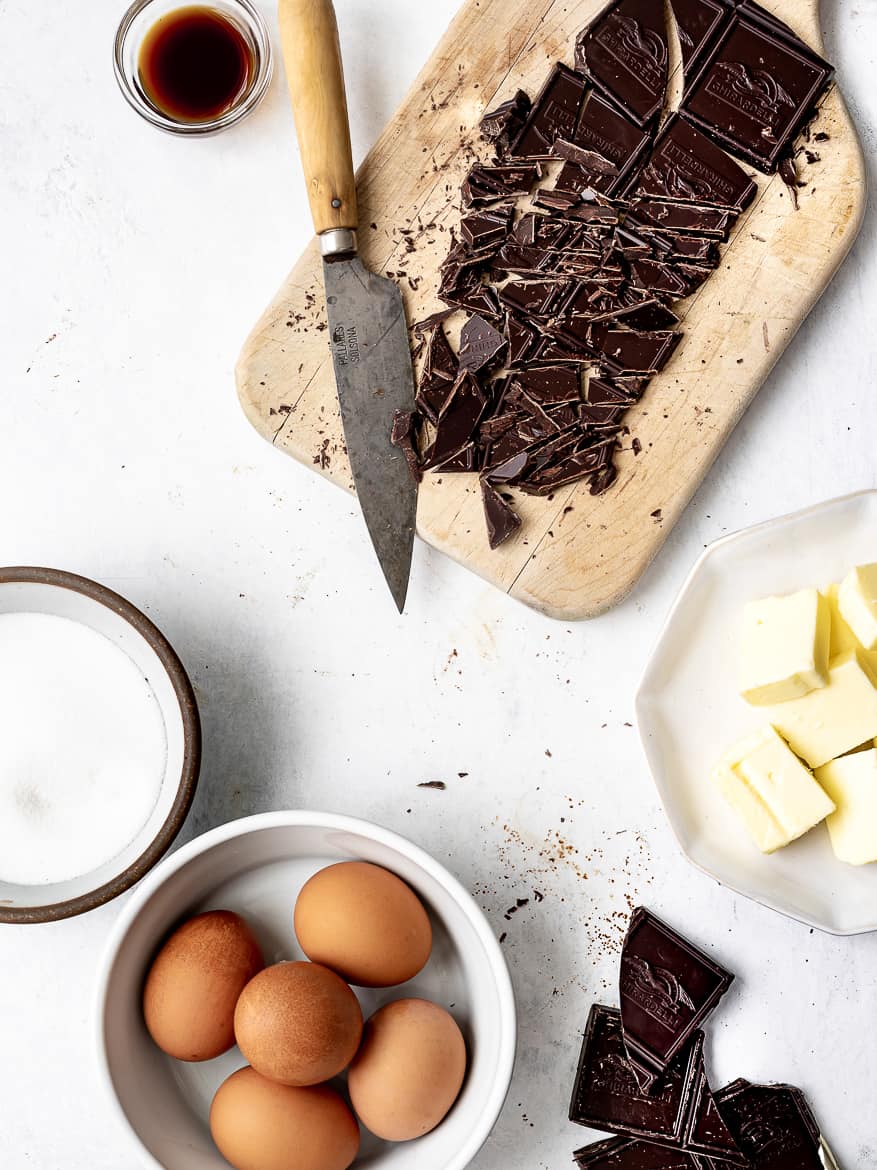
305, 991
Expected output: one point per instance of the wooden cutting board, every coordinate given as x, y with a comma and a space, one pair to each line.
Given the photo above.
575, 555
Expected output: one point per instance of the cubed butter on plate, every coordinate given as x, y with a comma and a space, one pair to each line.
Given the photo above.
784, 651
857, 601
771, 791
851, 782
836, 719
842, 637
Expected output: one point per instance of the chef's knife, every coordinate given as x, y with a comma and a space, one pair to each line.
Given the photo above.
367, 330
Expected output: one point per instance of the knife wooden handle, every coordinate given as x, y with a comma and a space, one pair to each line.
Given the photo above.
312, 54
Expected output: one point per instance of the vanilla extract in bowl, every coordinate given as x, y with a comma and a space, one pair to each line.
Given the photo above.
195, 64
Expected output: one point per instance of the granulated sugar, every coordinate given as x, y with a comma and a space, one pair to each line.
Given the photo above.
82, 749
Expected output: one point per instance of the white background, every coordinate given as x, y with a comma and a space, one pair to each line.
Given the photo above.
132, 265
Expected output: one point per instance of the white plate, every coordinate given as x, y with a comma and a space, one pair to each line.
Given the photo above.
256, 866
689, 711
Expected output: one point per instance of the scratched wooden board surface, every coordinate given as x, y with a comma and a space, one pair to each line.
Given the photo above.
575, 555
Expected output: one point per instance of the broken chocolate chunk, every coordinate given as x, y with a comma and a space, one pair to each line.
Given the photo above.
686, 167
707, 1132
555, 114
715, 222
485, 229
535, 298
490, 184
502, 521
608, 1096
627, 352
607, 133
699, 23
668, 988
624, 51
502, 124
756, 91
458, 419
521, 339
606, 402
437, 375
630, 1154
404, 436
550, 385
648, 315
773, 1125
479, 344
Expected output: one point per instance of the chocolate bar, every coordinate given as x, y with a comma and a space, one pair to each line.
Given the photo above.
668, 988
554, 115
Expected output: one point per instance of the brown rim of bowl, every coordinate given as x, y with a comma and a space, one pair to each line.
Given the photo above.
176, 672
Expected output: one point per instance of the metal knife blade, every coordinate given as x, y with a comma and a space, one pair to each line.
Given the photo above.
372, 359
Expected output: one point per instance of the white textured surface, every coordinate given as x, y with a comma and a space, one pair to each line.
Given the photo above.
132, 267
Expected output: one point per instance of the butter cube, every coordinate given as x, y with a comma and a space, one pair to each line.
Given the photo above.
784, 647
842, 637
857, 600
836, 719
771, 791
851, 782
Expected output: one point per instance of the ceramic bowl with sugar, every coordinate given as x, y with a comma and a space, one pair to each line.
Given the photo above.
101, 744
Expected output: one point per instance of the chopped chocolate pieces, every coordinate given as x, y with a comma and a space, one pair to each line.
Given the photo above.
668, 988
698, 23
624, 52
773, 1125
714, 222
437, 375
485, 229
486, 184
479, 344
550, 385
458, 419
686, 167
608, 134
521, 339
535, 298
608, 1096
555, 114
502, 124
404, 436
626, 352
756, 91
575, 241
502, 521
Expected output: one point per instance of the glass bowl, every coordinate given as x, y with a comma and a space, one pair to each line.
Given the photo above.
141, 17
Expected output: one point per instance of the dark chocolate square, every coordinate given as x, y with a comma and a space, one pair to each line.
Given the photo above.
686, 167
624, 51
756, 91
668, 988
608, 1096
773, 1125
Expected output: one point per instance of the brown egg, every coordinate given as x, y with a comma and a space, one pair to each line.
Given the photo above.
409, 1070
194, 983
260, 1125
364, 923
298, 1023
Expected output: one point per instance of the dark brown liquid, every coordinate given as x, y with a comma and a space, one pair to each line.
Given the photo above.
195, 64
